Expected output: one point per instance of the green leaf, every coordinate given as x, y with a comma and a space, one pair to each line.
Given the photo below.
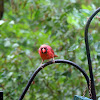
73, 47
97, 47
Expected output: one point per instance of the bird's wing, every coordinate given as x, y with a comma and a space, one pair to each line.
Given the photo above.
52, 51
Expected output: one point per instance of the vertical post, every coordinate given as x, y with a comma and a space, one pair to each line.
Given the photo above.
1, 8
88, 54
1, 95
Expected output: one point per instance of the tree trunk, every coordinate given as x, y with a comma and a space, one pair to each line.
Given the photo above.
1, 8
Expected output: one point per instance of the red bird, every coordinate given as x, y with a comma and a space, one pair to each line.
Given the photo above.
46, 52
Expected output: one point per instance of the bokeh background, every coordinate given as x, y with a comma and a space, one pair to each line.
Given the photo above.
27, 24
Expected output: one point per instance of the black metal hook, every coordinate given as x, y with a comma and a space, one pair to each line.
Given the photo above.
88, 54
51, 62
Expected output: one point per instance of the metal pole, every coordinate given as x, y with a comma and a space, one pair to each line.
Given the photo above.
48, 63
1, 95
88, 54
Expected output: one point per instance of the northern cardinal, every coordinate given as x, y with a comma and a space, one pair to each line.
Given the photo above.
46, 52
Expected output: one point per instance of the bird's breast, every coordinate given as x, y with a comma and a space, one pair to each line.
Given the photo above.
47, 55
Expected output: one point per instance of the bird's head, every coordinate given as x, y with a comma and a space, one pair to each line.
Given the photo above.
44, 50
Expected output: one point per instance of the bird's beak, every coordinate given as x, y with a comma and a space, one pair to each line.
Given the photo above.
43, 50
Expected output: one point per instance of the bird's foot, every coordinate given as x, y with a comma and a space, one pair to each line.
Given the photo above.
53, 60
41, 64
41, 67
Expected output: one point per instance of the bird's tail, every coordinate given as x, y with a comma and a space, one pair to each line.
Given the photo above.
55, 56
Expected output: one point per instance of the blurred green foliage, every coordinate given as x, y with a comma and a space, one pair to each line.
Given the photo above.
26, 25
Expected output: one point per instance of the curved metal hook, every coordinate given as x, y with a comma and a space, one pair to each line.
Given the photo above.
88, 54
51, 62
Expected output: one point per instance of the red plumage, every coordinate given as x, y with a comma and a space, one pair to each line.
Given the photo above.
46, 52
